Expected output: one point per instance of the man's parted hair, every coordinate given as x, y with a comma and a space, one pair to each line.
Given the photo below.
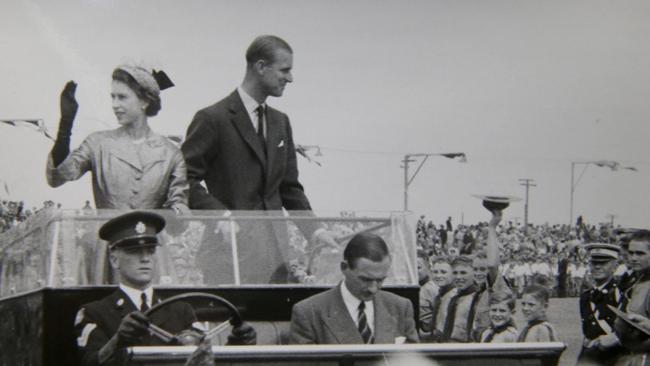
365, 245
263, 48
463, 261
641, 235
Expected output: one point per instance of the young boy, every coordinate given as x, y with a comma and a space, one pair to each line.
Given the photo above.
534, 303
461, 311
502, 328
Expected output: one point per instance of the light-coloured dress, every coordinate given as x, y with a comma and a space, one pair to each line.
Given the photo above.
150, 174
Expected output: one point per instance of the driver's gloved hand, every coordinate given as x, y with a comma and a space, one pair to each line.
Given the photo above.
242, 335
132, 328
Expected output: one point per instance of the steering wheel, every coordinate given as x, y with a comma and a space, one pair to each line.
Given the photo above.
234, 320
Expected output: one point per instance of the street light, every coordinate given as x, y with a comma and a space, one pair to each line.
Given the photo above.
613, 165
462, 158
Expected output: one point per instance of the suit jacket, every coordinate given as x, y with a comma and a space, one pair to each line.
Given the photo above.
324, 319
98, 321
222, 149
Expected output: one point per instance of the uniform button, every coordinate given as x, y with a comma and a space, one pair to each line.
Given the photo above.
138, 177
593, 323
135, 191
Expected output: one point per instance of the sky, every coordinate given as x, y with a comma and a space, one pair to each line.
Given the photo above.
524, 88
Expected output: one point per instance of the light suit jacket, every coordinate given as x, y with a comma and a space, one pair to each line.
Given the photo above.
324, 319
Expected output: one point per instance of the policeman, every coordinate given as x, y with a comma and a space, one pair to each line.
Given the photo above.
106, 327
601, 346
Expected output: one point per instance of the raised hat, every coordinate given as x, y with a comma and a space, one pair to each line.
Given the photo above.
133, 229
601, 252
496, 202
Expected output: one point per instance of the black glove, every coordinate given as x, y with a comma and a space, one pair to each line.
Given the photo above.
242, 335
69, 108
132, 328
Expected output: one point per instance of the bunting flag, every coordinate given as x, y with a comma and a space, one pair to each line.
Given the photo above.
613, 165
461, 156
302, 150
35, 124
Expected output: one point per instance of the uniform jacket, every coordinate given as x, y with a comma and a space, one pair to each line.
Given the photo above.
98, 321
597, 318
324, 319
149, 175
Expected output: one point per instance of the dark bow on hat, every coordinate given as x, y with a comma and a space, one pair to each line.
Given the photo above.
162, 79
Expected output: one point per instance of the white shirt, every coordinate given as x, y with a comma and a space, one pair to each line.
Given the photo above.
135, 295
251, 105
352, 304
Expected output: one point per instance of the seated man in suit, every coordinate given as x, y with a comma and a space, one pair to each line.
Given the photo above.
357, 310
106, 327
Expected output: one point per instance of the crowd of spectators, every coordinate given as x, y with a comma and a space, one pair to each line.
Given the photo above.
12, 213
550, 255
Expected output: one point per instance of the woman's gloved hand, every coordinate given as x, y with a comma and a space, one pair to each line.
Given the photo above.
69, 108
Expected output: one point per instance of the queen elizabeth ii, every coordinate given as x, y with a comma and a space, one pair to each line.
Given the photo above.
132, 167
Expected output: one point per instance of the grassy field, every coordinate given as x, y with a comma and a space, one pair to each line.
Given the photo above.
564, 314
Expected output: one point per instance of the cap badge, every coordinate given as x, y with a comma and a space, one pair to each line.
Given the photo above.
140, 228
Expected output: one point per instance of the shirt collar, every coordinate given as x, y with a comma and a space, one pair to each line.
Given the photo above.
135, 294
249, 103
352, 303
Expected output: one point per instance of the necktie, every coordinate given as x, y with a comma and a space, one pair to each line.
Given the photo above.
143, 305
364, 329
260, 125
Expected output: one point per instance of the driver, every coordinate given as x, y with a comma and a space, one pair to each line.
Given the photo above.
106, 327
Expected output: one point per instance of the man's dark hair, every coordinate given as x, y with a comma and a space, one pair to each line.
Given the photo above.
263, 48
365, 245
641, 235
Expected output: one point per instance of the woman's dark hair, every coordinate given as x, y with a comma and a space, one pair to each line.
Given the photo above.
143, 93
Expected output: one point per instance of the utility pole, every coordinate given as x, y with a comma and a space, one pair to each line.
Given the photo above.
406, 161
611, 218
408, 158
527, 182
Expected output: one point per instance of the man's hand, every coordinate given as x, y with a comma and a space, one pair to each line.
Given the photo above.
324, 238
225, 228
641, 321
242, 335
132, 328
69, 104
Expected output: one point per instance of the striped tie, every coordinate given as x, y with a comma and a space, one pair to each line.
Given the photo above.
364, 329
143, 305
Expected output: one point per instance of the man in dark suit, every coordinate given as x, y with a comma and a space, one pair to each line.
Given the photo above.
244, 152
357, 310
106, 327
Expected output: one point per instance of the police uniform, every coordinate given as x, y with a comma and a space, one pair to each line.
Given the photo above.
597, 318
98, 321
